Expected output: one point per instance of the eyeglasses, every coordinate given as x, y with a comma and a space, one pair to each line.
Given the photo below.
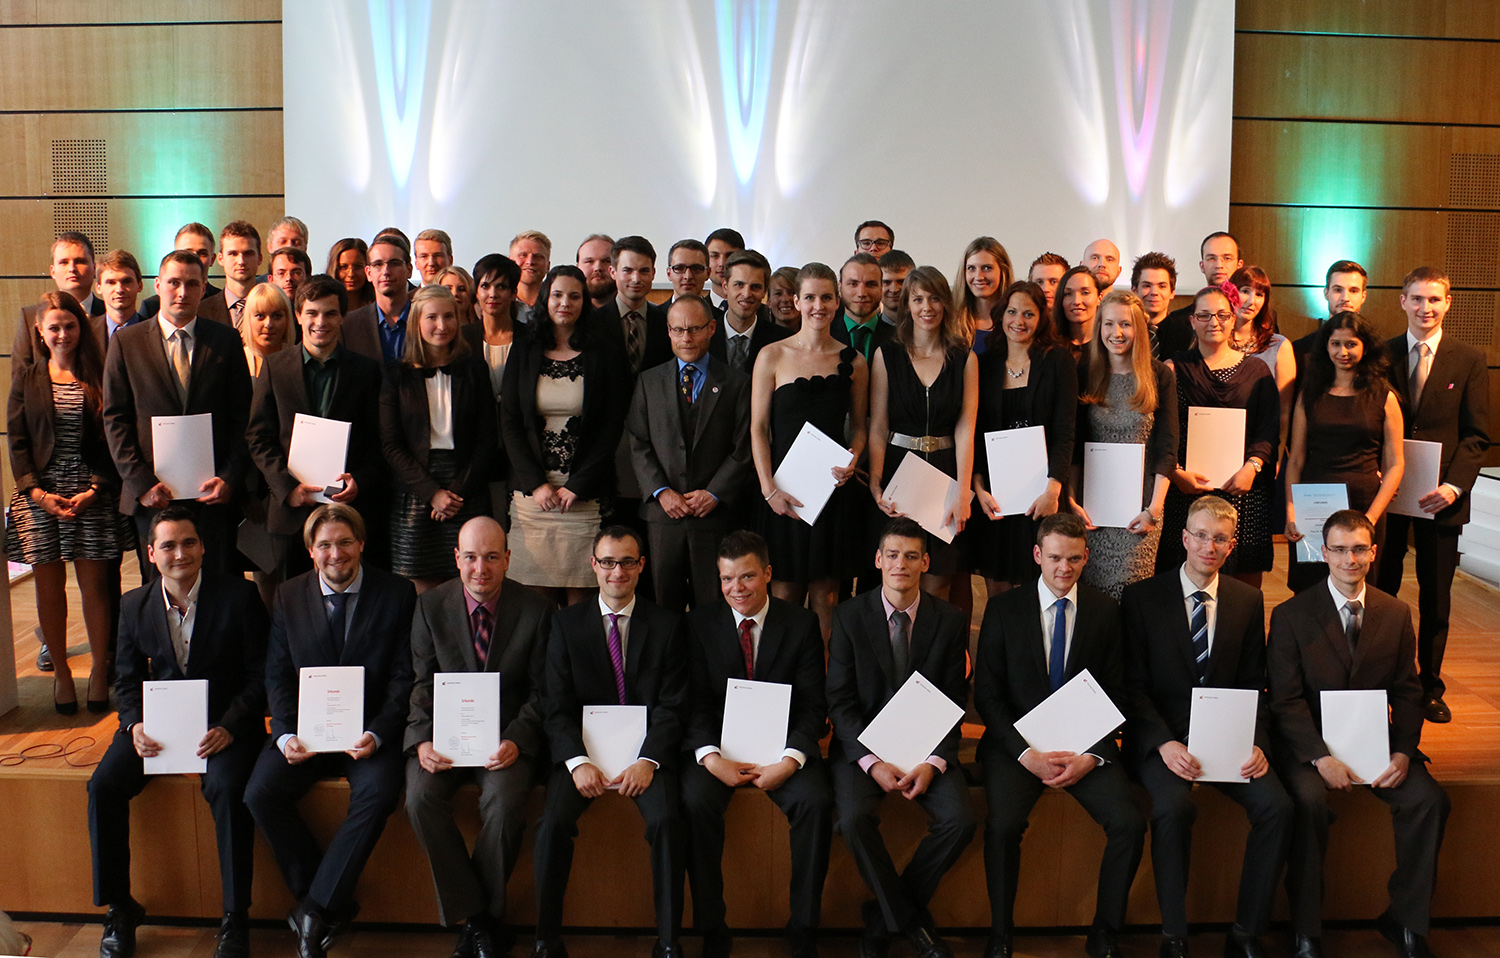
382, 265
1203, 537
682, 269
686, 330
1359, 552
609, 563
1224, 318
869, 244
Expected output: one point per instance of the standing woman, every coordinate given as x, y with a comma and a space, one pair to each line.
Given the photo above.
810, 378
1349, 415
984, 273
346, 263
267, 325
64, 507
1124, 395
1255, 333
1033, 381
562, 411
1215, 374
437, 429
461, 285
494, 338
1075, 307
924, 399
783, 298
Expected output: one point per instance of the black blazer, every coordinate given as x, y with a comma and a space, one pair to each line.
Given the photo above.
579, 673
405, 430
1051, 402
765, 332
280, 394
1455, 411
790, 652
1174, 334
1010, 670
884, 333
658, 341
23, 349
139, 384
228, 649
32, 433
473, 333
1161, 443
441, 641
379, 639
861, 670
1307, 653
1161, 668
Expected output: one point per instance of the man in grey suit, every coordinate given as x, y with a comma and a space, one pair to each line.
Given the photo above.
689, 435
479, 622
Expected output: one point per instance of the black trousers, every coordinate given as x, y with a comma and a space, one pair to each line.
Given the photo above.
1104, 793
1437, 560
684, 560
1420, 808
807, 801
1172, 816
902, 897
666, 832
120, 777
325, 878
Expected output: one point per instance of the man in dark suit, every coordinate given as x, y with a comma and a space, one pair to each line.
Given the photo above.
894, 266
746, 324
186, 625
1219, 257
1345, 286
858, 323
239, 256
198, 240
1153, 278
689, 436
687, 269
751, 636
721, 244
178, 366
1033, 640
879, 639
342, 613
1185, 630
479, 622
618, 649
1444, 388
1343, 637
72, 272
594, 258
637, 324
378, 330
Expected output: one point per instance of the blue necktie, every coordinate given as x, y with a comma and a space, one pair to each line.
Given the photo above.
336, 603
1058, 661
1199, 627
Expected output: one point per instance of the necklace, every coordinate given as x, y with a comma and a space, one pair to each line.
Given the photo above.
1017, 373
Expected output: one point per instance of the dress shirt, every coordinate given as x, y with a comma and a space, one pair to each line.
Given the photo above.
88, 305
111, 327
887, 318
759, 618
1049, 613
321, 377
439, 411
869, 325
623, 623
349, 604
392, 338
167, 331
1211, 606
1341, 602
180, 624
868, 762
1412, 359
730, 335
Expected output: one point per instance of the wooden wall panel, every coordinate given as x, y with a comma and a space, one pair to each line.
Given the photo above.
1473, 19
1295, 244
68, 12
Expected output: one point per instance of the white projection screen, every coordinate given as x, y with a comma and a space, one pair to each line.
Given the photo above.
1044, 123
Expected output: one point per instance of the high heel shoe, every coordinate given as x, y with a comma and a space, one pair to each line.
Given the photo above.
98, 706
63, 708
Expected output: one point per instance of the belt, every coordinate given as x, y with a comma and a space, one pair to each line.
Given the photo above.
921, 443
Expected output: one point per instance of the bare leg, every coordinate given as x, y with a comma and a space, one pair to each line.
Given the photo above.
93, 580
51, 580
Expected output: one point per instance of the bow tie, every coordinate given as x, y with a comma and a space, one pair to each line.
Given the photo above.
429, 371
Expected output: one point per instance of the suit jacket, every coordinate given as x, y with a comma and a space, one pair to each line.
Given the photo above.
862, 671
216, 308
1455, 411
579, 673
32, 432
658, 341
719, 460
379, 638
765, 332
228, 649
884, 333
790, 652
406, 432
1161, 668
1174, 334
1307, 653
473, 334
1051, 402
361, 332
23, 349
441, 641
1010, 671
280, 394
139, 384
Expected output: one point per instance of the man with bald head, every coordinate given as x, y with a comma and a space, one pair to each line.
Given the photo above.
1102, 257
479, 622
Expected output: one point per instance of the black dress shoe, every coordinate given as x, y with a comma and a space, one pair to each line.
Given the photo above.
464, 947
925, 939
234, 936
1241, 944
1173, 946
1101, 944
120, 923
1408, 943
549, 949
1305, 946
999, 946
43, 660
1437, 710
875, 939
667, 949
717, 944
314, 932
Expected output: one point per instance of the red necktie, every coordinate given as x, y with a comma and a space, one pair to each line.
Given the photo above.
481, 627
747, 646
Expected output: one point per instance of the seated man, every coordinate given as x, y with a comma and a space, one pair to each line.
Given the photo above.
341, 613
479, 622
753, 636
1033, 640
187, 625
879, 639
616, 650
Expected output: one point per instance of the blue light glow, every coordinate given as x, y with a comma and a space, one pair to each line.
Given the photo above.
398, 38
747, 34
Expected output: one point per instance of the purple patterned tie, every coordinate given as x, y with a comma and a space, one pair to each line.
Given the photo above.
617, 654
481, 629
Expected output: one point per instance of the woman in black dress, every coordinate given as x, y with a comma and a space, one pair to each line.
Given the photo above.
1348, 413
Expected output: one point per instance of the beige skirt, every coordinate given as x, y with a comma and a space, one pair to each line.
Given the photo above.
552, 549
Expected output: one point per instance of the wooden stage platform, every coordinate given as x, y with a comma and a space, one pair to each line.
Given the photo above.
44, 846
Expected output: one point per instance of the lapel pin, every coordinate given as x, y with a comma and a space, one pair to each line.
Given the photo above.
716, 388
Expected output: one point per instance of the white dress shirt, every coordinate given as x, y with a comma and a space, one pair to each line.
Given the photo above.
180, 624
1211, 606
439, 411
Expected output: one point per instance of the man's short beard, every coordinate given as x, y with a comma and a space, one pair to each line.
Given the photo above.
601, 290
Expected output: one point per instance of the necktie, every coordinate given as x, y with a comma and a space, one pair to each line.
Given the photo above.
1351, 629
617, 654
236, 313
739, 353
747, 646
480, 622
1057, 661
337, 602
900, 627
634, 341
1419, 375
182, 362
687, 381
859, 338
1199, 627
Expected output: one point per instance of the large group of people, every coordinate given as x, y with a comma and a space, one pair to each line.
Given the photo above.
550, 475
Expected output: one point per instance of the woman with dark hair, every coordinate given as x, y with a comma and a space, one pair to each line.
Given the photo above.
437, 429
1255, 332
1348, 413
1075, 306
64, 506
983, 275
562, 411
346, 263
494, 337
1032, 381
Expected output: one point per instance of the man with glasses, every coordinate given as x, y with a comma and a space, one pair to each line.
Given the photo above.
1219, 257
874, 237
378, 330
687, 268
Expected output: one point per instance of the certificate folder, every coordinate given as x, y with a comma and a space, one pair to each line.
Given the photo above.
466, 716
175, 715
755, 721
613, 736
1356, 729
1221, 732
331, 707
912, 724
1072, 719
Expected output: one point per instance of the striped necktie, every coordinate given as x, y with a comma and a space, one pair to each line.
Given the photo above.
1199, 628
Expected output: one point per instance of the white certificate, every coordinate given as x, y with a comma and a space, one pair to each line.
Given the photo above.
1314, 502
806, 473
1215, 443
1072, 719
1356, 729
331, 707
466, 716
317, 453
613, 736
1113, 477
755, 721
1423, 473
1018, 467
175, 715
182, 452
923, 493
1221, 732
912, 724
